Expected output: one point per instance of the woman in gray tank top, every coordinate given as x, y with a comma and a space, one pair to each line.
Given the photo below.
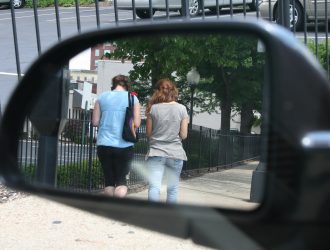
167, 126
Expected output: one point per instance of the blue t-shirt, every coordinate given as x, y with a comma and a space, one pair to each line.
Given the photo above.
113, 107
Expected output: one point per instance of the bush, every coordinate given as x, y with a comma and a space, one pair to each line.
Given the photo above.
29, 172
25, 135
79, 176
73, 176
74, 130
63, 3
322, 52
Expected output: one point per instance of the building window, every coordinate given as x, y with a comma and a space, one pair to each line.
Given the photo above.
78, 78
85, 78
97, 52
93, 79
106, 52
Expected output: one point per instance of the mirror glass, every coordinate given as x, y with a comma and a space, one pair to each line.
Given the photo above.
220, 80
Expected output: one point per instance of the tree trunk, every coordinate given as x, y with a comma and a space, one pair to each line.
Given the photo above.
225, 105
225, 116
155, 74
247, 119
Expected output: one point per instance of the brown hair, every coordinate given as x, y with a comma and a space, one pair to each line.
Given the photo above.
165, 91
122, 81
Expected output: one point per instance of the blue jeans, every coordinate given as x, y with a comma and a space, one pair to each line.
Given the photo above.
156, 167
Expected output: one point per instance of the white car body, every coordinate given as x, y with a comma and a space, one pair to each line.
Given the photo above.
309, 8
17, 3
174, 5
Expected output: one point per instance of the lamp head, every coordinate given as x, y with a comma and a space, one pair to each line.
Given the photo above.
193, 76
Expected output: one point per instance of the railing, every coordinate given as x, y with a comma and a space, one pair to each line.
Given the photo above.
208, 148
312, 31
217, 149
78, 167
277, 11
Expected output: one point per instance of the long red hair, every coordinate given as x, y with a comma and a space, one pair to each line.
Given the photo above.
165, 91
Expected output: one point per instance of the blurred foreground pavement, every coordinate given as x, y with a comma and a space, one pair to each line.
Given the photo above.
32, 223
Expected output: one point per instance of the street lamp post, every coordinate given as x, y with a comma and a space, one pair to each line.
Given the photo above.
193, 79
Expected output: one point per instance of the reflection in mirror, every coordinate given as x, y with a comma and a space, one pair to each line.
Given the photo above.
219, 78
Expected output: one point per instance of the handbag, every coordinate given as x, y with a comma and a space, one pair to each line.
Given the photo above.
129, 132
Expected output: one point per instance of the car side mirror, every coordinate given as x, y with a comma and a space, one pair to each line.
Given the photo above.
261, 65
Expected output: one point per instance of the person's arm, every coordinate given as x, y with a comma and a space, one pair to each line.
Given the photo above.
184, 128
96, 114
137, 115
149, 126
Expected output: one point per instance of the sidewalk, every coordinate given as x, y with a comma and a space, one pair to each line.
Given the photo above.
34, 223
227, 188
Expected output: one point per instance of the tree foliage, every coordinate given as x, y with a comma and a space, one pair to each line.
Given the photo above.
231, 69
323, 53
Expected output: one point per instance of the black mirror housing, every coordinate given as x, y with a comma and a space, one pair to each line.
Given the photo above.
294, 77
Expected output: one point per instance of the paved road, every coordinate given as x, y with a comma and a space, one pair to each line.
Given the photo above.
67, 152
27, 41
42, 224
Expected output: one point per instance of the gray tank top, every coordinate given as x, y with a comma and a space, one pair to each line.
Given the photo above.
165, 140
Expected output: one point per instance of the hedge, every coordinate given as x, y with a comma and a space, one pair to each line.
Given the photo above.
63, 3
73, 176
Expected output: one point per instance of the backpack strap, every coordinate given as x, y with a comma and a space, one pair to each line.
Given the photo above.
130, 100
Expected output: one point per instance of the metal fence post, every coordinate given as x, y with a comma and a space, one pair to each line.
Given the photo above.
13, 20
284, 13
241, 148
210, 153
90, 153
218, 150
200, 148
226, 153
185, 8
186, 147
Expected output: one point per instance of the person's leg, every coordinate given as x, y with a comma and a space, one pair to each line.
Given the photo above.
173, 172
109, 190
106, 159
122, 163
120, 191
155, 174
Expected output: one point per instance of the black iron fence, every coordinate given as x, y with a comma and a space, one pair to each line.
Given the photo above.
78, 167
206, 148
307, 19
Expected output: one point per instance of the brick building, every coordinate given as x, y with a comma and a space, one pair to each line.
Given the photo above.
98, 53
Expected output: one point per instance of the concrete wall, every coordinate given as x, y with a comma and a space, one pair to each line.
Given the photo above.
107, 69
213, 120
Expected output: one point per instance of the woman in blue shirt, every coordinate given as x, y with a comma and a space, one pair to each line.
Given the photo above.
114, 152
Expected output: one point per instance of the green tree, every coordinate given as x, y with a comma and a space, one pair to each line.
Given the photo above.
152, 58
248, 97
234, 76
226, 64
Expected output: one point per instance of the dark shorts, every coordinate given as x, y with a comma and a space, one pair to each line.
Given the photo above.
115, 163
